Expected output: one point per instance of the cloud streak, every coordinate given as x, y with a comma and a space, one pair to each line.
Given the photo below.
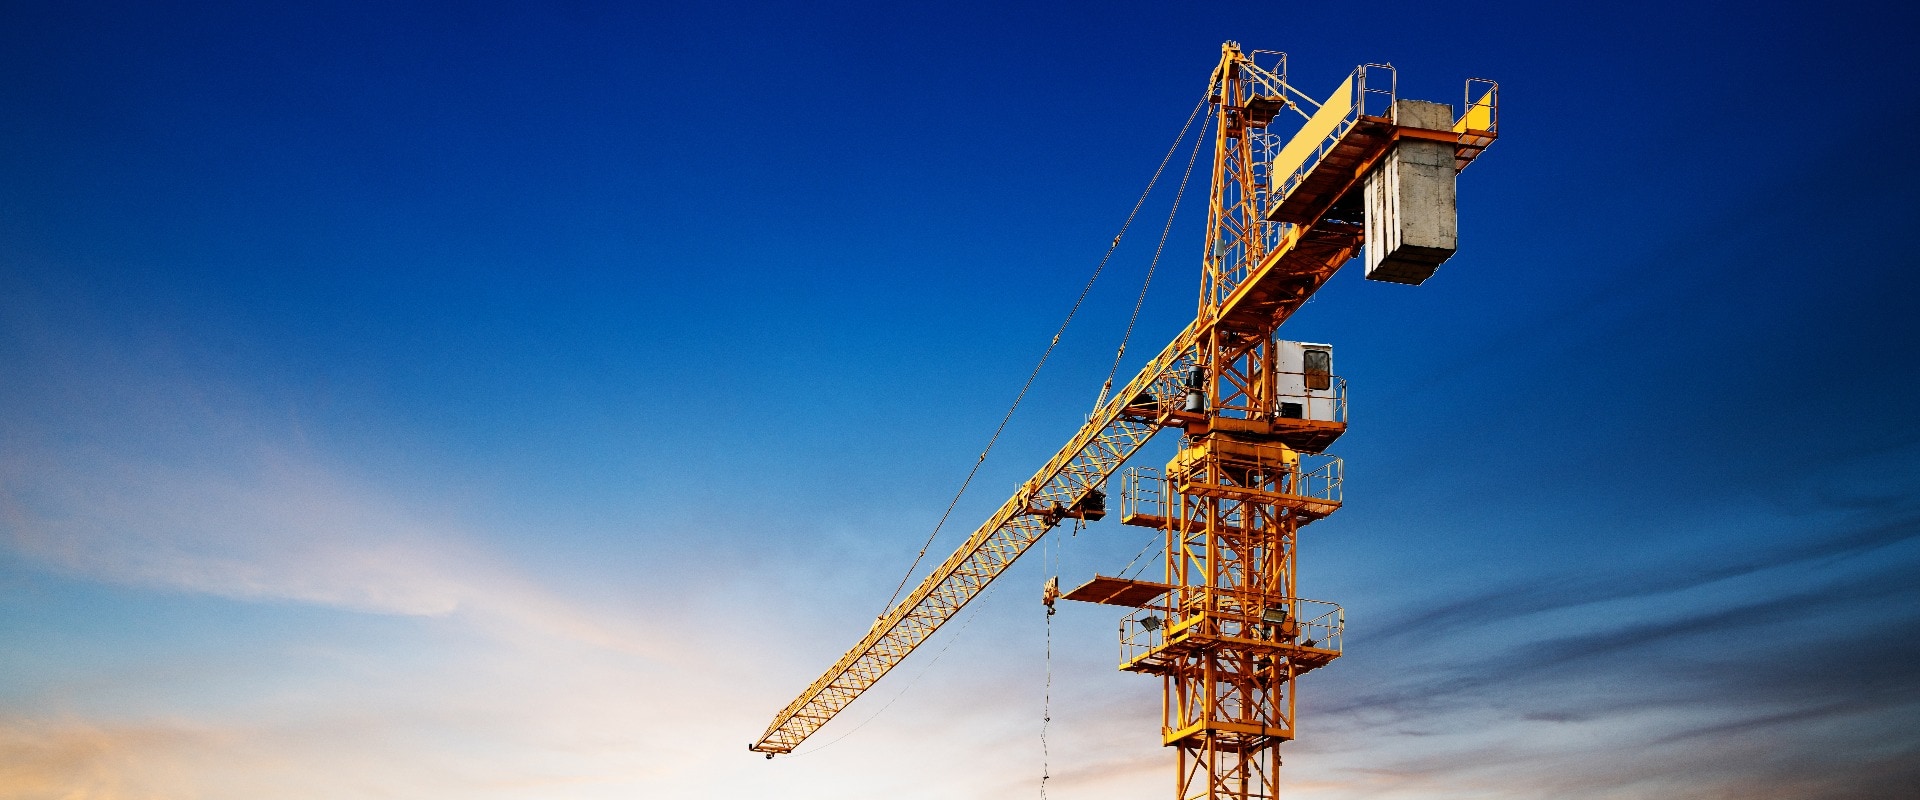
1891, 523
130, 467
1636, 700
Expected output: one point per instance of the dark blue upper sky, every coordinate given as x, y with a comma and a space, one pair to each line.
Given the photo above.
423, 335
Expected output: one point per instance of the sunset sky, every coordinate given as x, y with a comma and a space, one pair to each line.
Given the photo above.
527, 401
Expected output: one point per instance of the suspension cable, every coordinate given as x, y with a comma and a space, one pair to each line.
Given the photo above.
1046, 710
1052, 557
1140, 301
1053, 343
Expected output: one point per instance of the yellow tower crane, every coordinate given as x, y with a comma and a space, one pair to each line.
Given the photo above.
1295, 193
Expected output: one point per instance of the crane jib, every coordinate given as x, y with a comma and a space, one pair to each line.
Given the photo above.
1107, 440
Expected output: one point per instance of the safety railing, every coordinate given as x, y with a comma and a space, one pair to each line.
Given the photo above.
1299, 395
1269, 469
1378, 85
1268, 71
1317, 480
1142, 632
1167, 392
1480, 110
1245, 616
1322, 482
1325, 628
1369, 92
1324, 405
1142, 492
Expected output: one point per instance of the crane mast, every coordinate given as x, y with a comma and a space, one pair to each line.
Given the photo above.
1226, 630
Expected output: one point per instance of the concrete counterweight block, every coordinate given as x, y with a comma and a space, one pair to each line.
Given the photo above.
1411, 218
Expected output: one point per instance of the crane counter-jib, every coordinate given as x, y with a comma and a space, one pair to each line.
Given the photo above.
1101, 446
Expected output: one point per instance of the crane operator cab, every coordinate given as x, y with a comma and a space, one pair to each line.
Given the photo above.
1305, 387
1310, 402
1309, 408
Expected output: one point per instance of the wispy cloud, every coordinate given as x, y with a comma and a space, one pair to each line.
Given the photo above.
125, 463
75, 759
136, 470
1887, 522
1699, 678
267, 528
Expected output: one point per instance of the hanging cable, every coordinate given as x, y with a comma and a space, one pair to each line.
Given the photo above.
1047, 703
1140, 301
1055, 342
1046, 710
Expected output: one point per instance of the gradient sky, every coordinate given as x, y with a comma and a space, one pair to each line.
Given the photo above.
525, 401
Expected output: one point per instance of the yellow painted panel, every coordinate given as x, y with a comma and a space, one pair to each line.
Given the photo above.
1304, 143
1479, 116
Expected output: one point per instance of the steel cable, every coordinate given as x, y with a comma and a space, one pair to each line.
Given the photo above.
1140, 301
1048, 353
1046, 711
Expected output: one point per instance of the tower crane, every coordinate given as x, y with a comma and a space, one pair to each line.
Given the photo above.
1296, 190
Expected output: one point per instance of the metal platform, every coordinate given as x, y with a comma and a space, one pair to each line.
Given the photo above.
1118, 592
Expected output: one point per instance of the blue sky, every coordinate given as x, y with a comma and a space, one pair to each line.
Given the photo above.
527, 401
